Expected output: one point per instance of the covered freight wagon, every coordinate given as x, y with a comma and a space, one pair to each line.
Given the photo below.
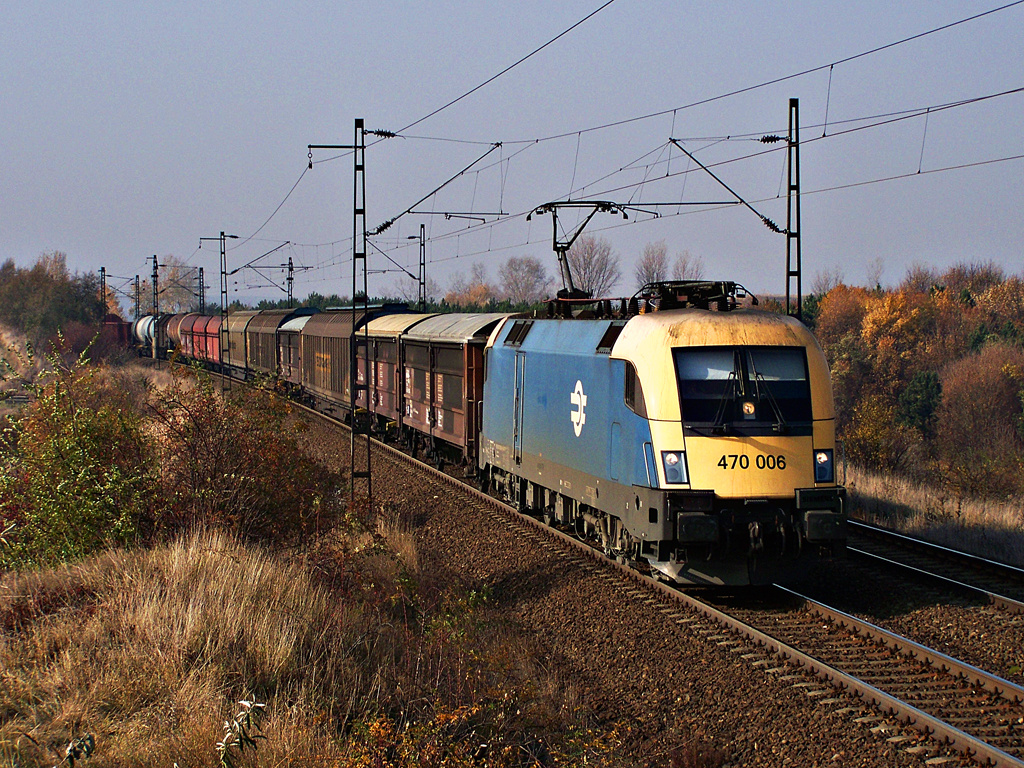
443, 378
326, 350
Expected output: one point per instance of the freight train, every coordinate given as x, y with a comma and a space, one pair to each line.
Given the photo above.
680, 428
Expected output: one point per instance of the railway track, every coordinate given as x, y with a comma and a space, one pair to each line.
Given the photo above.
881, 680
999, 584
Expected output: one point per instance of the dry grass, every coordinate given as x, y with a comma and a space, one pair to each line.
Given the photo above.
992, 529
150, 651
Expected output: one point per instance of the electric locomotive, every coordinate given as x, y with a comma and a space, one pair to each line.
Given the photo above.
699, 436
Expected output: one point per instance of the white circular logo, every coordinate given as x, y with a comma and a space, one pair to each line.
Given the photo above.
579, 403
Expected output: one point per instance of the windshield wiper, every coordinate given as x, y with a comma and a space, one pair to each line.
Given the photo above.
720, 427
780, 425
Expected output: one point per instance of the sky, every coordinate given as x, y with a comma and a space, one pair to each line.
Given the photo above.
130, 129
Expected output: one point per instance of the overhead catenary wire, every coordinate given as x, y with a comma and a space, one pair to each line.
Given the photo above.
527, 143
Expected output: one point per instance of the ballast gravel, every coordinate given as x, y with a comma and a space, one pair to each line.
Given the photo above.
628, 663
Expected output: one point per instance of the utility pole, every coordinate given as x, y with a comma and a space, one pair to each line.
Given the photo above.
138, 299
793, 255
423, 269
225, 350
202, 292
359, 338
156, 293
103, 288
290, 280
360, 301
156, 308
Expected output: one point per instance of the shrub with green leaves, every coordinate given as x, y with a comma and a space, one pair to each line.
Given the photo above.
76, 473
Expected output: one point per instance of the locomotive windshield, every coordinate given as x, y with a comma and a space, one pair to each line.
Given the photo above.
744, 390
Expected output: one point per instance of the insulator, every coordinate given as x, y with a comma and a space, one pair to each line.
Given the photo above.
771, 139
771, 224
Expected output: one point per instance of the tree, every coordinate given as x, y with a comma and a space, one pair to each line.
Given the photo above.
177, 285
919, 278
409, 289
653, 264
688, 267
917, 403
476, 292
593, 264
1003, 306
524, 280
826, 279
876, 268
975, 277
895, 330
45, 298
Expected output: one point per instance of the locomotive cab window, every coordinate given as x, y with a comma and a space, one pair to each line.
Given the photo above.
744, 390
634, 394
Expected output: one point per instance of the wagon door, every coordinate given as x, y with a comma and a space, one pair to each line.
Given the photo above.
517, 408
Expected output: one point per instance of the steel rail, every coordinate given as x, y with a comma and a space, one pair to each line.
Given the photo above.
994, 598
909, 648
937, 550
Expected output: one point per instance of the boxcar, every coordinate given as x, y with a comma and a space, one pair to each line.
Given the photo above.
186, 330
387, 392
326, 346
289, 346
206, 335
261, 339
443, 378
232, 343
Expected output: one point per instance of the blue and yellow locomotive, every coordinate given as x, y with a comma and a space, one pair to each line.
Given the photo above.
699, 437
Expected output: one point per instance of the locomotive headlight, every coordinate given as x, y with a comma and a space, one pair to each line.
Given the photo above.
824, 466
674, 463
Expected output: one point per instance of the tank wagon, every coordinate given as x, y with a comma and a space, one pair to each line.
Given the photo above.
682, 429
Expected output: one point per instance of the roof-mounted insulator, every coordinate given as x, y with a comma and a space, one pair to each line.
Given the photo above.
383, 227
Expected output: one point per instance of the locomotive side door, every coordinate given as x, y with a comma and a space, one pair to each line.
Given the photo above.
517, 408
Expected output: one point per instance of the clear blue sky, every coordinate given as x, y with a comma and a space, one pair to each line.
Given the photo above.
132, 129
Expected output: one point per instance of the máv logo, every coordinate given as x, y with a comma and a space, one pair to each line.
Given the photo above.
579, 401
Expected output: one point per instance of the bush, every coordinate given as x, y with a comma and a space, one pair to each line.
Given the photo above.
234, 461
980, 444
76, 473
875, 439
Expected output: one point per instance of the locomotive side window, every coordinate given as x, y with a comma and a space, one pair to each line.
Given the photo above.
634, 394
744, 390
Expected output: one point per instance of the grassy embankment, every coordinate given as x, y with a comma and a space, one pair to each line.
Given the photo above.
359, 659
985, 527
360, 654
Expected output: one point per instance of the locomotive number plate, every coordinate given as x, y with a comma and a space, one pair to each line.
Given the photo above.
761, 461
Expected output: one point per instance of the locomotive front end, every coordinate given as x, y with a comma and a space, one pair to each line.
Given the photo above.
742, 458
